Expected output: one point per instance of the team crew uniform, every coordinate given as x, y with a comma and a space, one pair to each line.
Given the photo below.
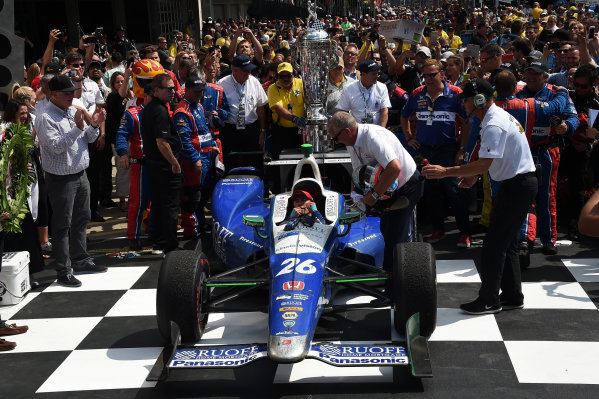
197, 143
284, 132
437, 133
365, 104
376, 145
547, 155
503, 139
140, 191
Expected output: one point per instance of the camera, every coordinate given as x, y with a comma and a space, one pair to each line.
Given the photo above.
374, 35
99, 32
554, 45
72, 73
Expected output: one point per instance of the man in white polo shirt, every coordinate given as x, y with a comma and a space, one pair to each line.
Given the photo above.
367, 99
505, 154
373, 145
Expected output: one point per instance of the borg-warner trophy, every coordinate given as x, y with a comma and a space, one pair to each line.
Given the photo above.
313, 55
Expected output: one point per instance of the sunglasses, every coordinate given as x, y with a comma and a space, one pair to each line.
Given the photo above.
581, 86
484, 59
81, 65
430, 75
169, 88
561, 51
377, 58
351, 54
336, 138
285, 77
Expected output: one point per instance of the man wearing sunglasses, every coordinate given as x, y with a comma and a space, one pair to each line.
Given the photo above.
439, 111
367, 99
162, 147
545, 150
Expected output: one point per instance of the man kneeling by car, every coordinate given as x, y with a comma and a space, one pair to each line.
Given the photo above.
374, 145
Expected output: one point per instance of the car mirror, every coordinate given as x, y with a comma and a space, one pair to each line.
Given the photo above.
255, 221
350, 217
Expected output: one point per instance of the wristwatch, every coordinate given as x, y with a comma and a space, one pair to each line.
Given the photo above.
375, 195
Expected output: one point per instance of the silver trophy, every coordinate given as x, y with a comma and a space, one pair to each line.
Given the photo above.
313, 54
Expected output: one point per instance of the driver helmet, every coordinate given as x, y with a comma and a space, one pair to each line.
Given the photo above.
143, 73
366, 177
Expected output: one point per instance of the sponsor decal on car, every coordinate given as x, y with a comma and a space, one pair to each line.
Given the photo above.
290, 315
286, 342
221, 356
287, 332
221, 235
370, 237
301, 297
282, 297
287, 308
255, 244
233, 182
291, 303
294, 286
359, 354
288, 323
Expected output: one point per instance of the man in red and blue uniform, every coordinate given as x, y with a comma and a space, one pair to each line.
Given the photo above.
129, 147
439, 113
544, 149
199, 153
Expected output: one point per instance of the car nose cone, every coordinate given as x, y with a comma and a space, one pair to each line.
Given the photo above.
288, 349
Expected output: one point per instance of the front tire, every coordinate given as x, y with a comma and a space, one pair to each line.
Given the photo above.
415, 286
182, 295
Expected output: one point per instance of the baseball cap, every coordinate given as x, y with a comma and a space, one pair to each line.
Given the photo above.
195, 83
425, 50
446, 55
208, 37
477, 86
95, 63
511, 65
538, 66
53, 67
302, 192
285, 67
62, 83
368, 66
244, 62
339, 63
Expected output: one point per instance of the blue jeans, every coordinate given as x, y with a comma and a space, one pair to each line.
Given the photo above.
395, 225
69, 197
434, 189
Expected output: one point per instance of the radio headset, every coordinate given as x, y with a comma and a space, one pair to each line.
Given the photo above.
479, 99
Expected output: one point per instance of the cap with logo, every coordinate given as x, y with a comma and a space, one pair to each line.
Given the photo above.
368, 66
538, 66
425, 50
285, 67
195, 83
243, 62
62, 83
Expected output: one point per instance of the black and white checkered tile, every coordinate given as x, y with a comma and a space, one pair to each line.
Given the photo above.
102, 336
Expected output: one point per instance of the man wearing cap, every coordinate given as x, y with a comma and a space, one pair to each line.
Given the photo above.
455, 41
504, 153
162, 147
63, 138
338, 82
545, 150
165, 58
121, 43
245, 127
374, 145
410, 77
129, 149
367, 99
286, 100
199, 152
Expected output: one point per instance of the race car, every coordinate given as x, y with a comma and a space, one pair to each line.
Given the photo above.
297, 271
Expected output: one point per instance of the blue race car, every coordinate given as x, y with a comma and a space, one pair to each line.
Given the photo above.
298, 272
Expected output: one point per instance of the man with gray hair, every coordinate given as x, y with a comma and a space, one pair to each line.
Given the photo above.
374, 146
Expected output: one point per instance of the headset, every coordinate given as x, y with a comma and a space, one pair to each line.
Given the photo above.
479, 99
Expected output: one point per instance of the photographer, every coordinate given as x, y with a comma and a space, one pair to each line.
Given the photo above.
121, 43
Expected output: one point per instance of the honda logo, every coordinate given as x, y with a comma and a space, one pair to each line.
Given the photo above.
293, 286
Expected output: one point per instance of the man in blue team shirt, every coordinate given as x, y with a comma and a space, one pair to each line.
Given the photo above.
545, 150
438, 110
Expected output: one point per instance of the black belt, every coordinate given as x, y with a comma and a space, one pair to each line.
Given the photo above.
522, 176
78, 174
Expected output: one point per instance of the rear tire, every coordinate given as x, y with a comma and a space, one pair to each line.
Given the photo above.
182, 295
415, 286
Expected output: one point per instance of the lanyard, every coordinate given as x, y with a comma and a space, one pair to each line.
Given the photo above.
240, 93
366, 100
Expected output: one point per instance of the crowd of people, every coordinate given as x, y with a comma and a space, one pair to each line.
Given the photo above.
176, 115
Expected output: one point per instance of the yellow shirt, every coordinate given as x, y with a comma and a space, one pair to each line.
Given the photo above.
371, 48
455, 42
536, 12
292, 100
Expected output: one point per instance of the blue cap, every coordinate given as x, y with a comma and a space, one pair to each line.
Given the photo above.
369, 66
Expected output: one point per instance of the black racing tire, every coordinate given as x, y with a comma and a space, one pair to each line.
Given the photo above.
182, 295
415, 286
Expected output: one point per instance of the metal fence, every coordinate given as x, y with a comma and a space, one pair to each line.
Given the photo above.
353, 8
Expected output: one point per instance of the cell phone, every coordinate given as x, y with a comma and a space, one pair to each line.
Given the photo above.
465, 76
90, 39
592, 32
434, 36
71, 73
414, 48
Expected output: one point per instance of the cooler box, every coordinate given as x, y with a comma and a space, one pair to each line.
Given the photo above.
14, 277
